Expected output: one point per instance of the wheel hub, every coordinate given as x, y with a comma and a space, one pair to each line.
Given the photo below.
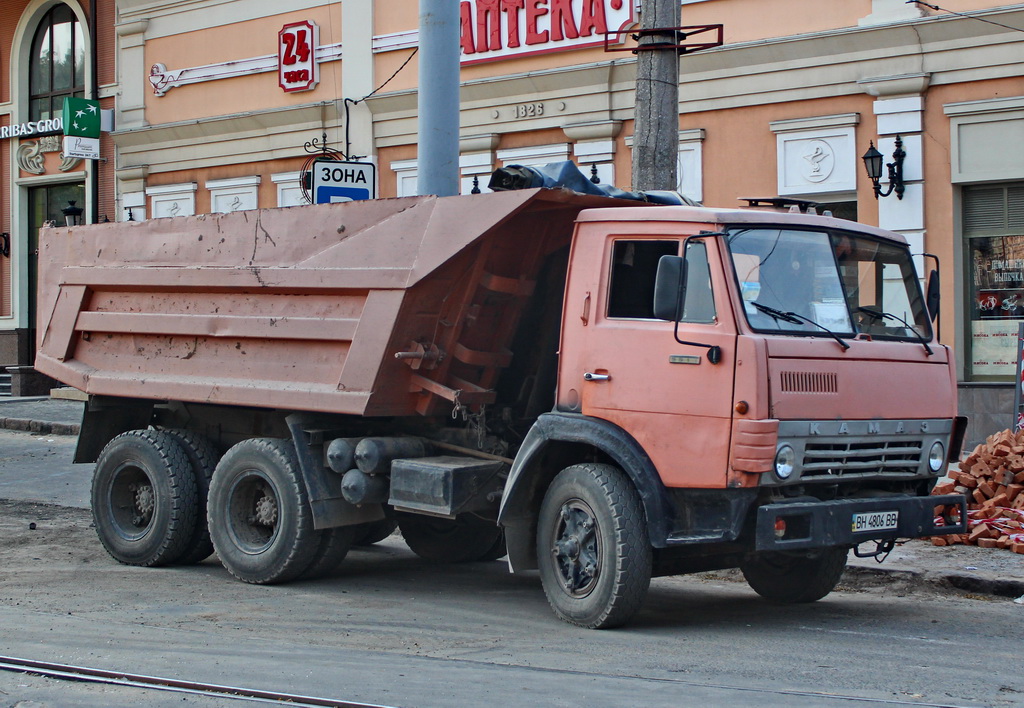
145, 500
576, 548
266, 510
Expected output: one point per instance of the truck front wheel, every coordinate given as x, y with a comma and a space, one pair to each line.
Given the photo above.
260, 521
795, 578
593, 550
144, 498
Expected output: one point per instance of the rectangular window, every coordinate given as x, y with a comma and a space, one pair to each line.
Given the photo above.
994, 244
634, 269
828, 283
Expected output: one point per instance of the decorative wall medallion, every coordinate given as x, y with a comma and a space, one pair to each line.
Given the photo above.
50, 143
819, 161
30, 157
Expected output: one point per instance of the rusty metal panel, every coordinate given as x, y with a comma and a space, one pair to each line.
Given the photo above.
300, 308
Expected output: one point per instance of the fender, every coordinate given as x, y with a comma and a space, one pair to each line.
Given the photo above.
556, 441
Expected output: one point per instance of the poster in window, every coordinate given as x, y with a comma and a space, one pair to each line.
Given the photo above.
997, 298
992, 347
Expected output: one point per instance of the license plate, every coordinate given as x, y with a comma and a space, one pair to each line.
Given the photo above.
875, 521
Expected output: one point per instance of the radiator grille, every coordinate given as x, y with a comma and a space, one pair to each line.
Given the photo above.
875, 457
808, 382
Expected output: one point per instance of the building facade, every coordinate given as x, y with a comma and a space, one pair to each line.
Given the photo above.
221, 104
49, 49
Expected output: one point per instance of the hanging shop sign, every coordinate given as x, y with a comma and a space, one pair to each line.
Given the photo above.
340, 181
297, 67
499, 29
81, 118
24, 130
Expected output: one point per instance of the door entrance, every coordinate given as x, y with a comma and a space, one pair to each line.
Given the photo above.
45, 204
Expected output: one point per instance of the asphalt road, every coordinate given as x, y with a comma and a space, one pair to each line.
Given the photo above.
391, 629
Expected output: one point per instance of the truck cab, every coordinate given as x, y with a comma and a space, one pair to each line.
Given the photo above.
773, 388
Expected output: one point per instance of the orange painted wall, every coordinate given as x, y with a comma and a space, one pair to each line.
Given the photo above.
243, 40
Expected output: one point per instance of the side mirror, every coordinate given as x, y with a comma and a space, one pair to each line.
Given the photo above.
669, 288
931, 297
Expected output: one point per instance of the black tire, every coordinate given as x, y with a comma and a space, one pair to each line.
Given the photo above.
463, 540
374, 531
203, 456
144, 498
260, 521
794, 578
593, 550
497, 550
331, 551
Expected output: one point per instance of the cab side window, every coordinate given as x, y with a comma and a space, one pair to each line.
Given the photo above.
634, 268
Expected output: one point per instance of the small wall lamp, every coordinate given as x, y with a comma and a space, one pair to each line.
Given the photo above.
873, 164
72, 214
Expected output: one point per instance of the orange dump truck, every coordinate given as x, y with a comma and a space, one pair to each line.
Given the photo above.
603, 392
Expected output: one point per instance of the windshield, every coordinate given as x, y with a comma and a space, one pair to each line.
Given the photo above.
816, 282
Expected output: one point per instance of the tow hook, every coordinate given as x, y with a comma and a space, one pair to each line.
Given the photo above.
882, 549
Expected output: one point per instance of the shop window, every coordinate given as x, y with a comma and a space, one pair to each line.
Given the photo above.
840, 210
993, 217
57, 63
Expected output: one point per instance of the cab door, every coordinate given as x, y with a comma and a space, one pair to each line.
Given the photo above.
631, 371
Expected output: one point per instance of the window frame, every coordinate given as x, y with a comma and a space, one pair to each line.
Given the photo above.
51, 19
985, 228
677, 244
829, 234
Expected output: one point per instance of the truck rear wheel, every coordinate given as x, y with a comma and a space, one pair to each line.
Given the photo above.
793, 578
462, 540
203, 457
144, 498
593, 550
374, 531
331, 551
260, 521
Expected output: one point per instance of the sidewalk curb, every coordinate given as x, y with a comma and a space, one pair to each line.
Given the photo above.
39, 426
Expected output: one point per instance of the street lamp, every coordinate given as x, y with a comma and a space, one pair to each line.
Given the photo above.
72, 214
873, 164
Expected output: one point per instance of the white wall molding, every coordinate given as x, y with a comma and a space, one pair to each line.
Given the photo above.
173, 199
289, 188
815, 162
233, 194
163, 79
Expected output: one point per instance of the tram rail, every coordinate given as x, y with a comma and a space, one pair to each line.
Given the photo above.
69, 672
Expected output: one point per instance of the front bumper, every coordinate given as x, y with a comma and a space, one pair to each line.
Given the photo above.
820, 524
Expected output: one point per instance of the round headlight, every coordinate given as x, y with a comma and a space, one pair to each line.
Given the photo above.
785, 462
936, 456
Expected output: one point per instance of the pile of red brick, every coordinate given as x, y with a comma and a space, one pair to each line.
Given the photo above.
992, 478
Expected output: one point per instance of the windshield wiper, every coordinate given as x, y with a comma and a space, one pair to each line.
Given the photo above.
777, 314
797, 318
879, 315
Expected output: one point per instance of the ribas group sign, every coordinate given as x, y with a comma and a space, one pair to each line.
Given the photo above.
24, 130
499, 29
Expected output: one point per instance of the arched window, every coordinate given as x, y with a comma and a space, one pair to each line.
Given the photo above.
57, 63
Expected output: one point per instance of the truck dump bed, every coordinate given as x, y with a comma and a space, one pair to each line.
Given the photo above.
301, 308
